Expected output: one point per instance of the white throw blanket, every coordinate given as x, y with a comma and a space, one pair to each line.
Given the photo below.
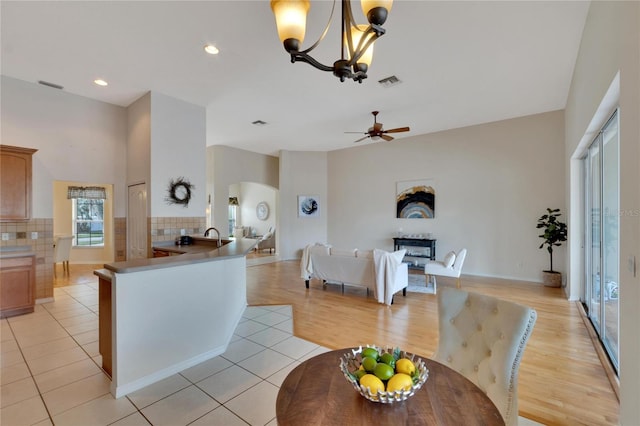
306, 265
386, 266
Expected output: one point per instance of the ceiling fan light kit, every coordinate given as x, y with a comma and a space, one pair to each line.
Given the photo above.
376, 132
357, 40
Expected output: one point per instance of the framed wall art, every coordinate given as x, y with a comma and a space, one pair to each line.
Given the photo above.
415, 199
308, 206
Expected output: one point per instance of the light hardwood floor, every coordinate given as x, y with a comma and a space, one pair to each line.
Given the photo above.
561, 382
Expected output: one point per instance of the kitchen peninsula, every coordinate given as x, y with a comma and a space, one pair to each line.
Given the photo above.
161, 315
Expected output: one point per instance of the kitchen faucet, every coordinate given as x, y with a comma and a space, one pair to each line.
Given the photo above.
206, 234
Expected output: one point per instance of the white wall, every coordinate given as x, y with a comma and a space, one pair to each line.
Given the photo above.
611, 45
492, 182
78, 139
139, 142
301, 173
178, 149
190, 313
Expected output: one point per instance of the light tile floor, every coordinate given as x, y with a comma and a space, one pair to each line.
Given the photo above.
50, 371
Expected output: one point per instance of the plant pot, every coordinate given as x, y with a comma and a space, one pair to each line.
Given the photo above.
552, 278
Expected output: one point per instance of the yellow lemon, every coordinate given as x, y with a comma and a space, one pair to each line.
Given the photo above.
399, 381
404, 365
372, 382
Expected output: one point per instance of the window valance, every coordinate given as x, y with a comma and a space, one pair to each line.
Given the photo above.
91, 192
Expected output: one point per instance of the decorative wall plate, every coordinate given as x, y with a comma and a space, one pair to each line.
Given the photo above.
262, 210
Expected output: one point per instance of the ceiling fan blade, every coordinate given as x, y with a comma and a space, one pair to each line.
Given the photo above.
360, 133
397, 130
361, 139
387, 138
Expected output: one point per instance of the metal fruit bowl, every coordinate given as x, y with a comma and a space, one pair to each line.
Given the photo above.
350, 362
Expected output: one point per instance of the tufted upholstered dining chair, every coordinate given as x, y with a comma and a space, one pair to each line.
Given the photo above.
483, 338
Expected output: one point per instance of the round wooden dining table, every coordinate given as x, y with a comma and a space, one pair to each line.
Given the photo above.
317, 393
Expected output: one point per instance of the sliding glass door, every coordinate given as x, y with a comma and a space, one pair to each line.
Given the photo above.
601, 296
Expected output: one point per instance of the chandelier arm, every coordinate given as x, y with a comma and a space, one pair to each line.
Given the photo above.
347, 21
324, 33
304, 57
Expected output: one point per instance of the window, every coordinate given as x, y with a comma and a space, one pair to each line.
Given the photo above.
88, 222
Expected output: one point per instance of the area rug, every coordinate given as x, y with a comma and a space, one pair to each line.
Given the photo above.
418, 284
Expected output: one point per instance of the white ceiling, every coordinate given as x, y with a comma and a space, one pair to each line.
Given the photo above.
460, 63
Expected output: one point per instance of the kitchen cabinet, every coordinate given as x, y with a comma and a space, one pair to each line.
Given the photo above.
17, 285
15, 183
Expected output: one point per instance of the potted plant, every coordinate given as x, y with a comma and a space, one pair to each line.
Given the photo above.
555, 232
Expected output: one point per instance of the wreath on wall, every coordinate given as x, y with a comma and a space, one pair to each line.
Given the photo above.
179, 191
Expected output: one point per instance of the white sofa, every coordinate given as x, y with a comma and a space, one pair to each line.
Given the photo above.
377, 270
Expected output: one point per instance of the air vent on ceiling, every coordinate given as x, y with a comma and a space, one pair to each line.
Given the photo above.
46, 83
259, 123
389, 81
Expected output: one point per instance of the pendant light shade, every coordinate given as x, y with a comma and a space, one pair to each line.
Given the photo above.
356, 34
376, 11
291, 21
357, 40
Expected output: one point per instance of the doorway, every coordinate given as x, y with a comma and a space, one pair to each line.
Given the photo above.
253, 210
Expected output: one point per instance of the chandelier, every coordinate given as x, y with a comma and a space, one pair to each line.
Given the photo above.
357, 40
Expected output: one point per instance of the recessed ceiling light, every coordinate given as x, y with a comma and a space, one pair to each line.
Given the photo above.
100, 82
211, 49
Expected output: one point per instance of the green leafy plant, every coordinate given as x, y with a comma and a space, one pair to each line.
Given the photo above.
555, 232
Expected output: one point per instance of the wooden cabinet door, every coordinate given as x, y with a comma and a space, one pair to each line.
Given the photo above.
15, 183
17, 286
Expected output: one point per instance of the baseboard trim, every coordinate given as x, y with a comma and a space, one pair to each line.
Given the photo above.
602, 355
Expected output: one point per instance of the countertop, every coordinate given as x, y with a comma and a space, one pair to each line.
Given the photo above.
203, 250
9, 252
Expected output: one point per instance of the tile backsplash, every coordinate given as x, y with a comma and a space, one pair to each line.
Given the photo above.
169, 228
20, 234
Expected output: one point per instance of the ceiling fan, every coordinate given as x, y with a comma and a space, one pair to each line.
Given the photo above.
378, 132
